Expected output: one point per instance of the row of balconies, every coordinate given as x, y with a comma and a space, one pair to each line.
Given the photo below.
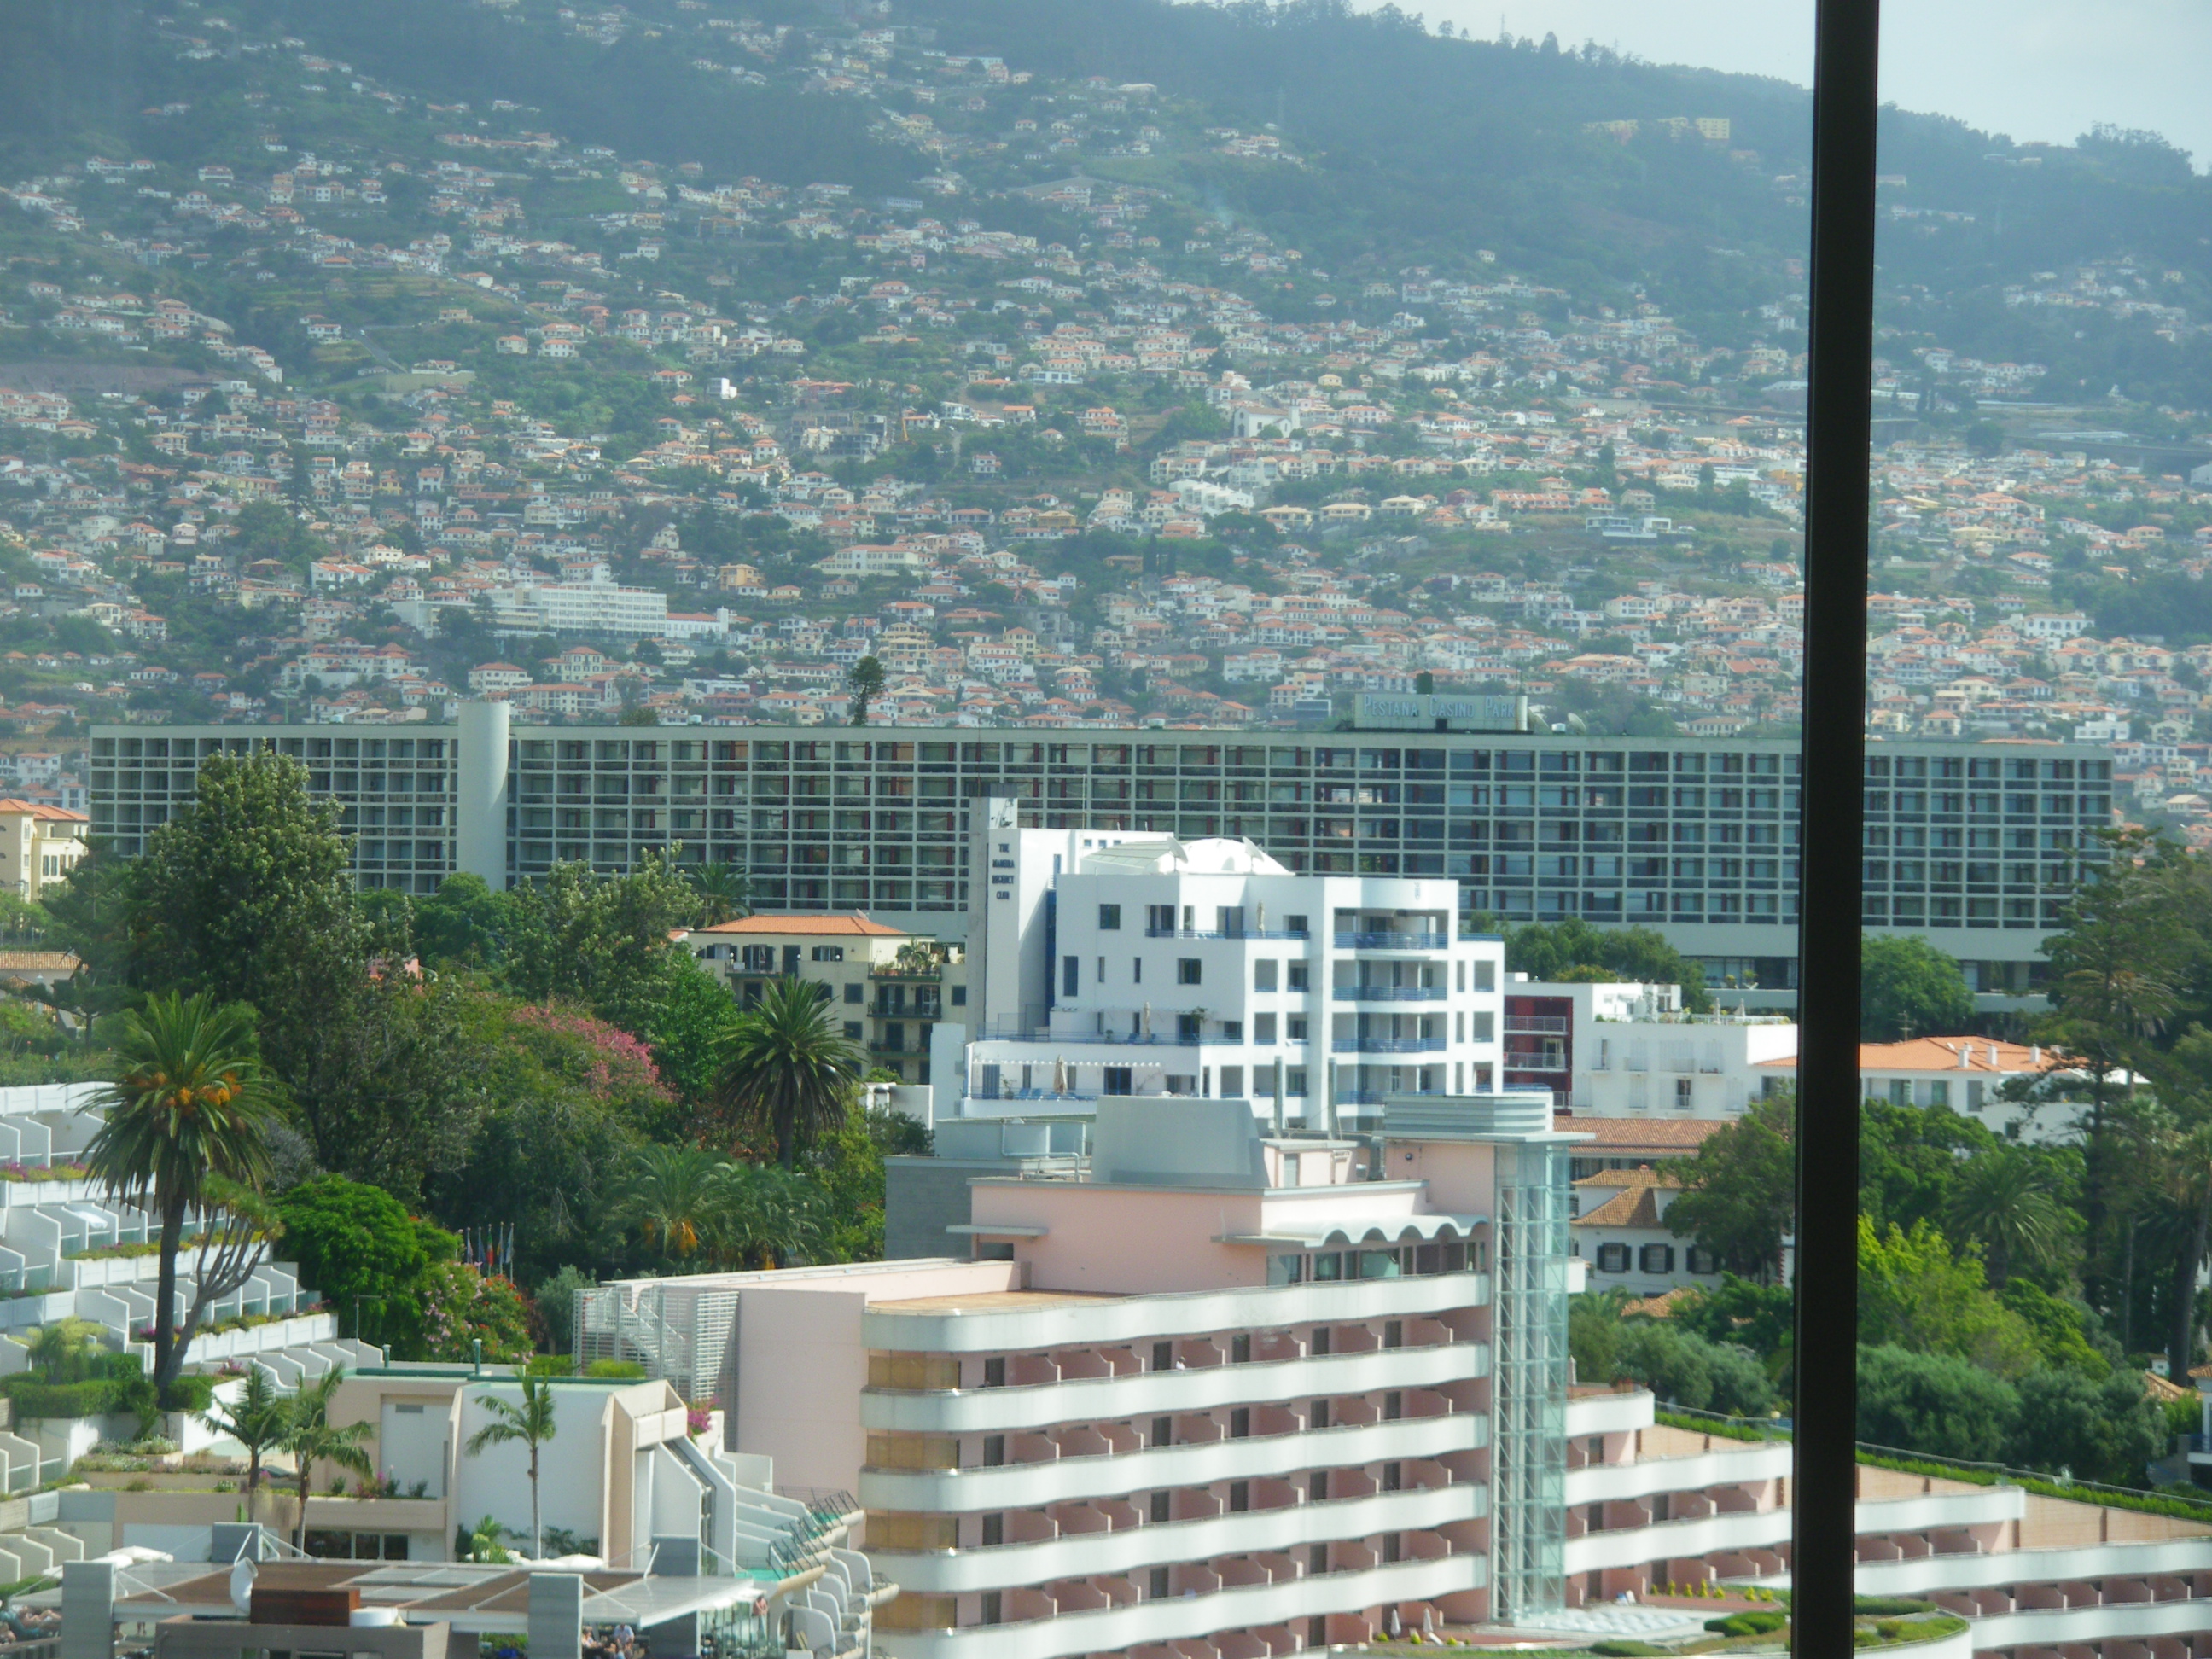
1118, 1535
1113, 1321
1113, 1459
1168, 1429
1039, 1393
1250, 1606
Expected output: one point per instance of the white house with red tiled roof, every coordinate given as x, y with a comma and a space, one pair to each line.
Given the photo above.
1620, 1231
1971, 1075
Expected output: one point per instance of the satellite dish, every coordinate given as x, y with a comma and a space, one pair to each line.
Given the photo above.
241, 1585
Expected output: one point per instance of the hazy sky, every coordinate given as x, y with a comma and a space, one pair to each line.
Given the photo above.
2044, 70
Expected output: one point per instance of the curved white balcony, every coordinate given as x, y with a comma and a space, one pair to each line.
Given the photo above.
1744, 1529
1930, 1511
1925, 1575
1133, 1549
1106, 1630
1064, 1480
1148, 1394
2111, 1621
1602, 1483
1609, 1413
1630, 1547
1959, 1644
1105, 1321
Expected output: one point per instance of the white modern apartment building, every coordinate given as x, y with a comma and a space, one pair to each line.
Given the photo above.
1109, 962
1695, 837
1628, 1050
597, 608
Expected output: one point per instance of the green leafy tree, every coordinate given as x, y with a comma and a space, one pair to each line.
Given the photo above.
848, 1167
601, 940
865, 680
531, 1423
248, 894
2063, 1329
556, 1306
1915, 1294
1760, 1317
1739, 1193
1934, 1402
459, 925
1907, 988
311, 1437
787, 1070
257, 1419
368, 1256
1910, 1159
392, 1085
1574, 950
2101, 1430
189, 1112
1684, 1368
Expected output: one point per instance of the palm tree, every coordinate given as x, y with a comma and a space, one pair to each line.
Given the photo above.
763, 1210
785, 1067
312, 1439
672, 1194
865, 680
531, 1423
488, 1543
2003, 1202
725, 892
190, 1110
257, 1420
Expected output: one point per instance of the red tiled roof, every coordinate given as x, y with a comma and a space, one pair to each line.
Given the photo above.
855, 922
39, 809
1620, 1137
1983, 1055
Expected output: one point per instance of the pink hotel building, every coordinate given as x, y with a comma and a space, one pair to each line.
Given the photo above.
1230, 1395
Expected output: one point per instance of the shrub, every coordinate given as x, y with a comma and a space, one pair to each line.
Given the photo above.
627, 1370
1748, 1624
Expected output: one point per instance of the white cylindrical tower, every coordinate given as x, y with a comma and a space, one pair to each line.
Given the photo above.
480, 826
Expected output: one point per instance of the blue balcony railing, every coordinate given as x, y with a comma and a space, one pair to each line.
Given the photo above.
1245, 933
1389, 994
1360, 1045
1392, 941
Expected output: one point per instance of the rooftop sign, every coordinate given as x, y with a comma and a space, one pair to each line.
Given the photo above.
1391, 711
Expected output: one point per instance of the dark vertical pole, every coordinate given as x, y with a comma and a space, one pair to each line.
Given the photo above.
1837, 508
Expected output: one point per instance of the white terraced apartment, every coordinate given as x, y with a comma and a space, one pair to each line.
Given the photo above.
1108, 962
56, 1226
1218, 1393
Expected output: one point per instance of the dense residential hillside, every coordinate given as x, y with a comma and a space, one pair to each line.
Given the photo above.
1075, 364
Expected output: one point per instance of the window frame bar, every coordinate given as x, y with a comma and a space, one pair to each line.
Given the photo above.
1838, 505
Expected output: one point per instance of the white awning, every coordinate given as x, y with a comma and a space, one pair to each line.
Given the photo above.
1377, 1232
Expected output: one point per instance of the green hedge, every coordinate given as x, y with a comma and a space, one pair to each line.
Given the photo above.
116, 1386
34, 1397
2184, 1509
